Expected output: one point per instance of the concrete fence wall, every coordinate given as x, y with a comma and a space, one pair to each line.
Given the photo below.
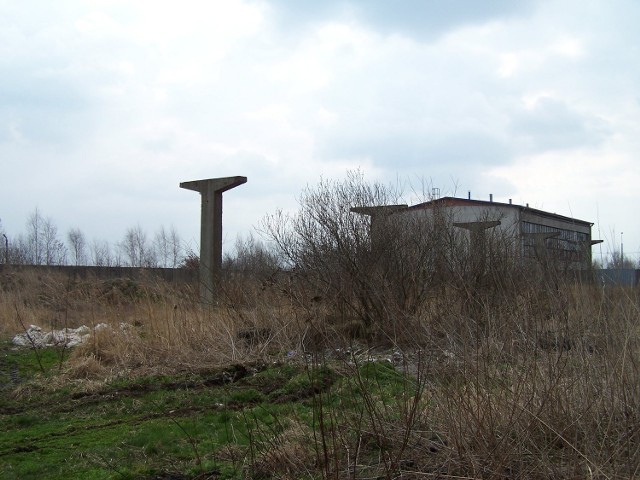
628, 277
173, 275
609, 277
624, 277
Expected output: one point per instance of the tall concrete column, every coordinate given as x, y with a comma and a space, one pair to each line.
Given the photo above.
478, 242
211, 191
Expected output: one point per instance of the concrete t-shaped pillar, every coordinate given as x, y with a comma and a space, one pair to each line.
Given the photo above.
211, 191
478, 242
378, 213
476, 230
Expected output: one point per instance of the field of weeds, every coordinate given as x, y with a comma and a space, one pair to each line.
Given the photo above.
534, 380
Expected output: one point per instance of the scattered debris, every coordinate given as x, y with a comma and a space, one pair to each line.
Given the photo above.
36, 337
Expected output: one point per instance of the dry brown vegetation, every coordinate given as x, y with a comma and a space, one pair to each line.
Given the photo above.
543, 383
509, 370
155, 326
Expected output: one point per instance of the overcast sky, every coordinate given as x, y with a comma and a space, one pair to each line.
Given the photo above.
106, 106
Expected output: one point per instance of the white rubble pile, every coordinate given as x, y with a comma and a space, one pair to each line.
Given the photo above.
69, 337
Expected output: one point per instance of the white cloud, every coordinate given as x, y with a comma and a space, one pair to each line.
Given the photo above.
105, 106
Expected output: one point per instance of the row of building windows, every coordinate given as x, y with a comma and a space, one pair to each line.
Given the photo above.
567, 244
568, 235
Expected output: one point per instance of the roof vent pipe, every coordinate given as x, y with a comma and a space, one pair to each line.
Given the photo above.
491, 197
469, 195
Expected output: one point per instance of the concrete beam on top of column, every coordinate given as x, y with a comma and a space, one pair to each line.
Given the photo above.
211, 190
476, 230
377, 213
379, 210
539, 238
475, 227
221, 184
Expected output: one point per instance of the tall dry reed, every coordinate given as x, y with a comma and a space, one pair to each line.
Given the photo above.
539, 379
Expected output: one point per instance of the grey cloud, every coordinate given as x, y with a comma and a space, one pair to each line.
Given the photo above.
28, 89
41, 108
419, 18
62, 129
423, 151
552, 124
431, 17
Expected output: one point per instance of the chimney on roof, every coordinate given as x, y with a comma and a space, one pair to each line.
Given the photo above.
491, 197
469, 195
509, 201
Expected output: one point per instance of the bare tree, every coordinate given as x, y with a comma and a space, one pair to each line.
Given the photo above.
101, 254
333, 251
253, 257
77, 246
131, 246
167, 247
136, 249
41, 246
33, 248
20, 251
4, 241
618, 260
55, 253
162, 247
176, 247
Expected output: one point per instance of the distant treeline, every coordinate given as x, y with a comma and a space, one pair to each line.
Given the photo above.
42, 244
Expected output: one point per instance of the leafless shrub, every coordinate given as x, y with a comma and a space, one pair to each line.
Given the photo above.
351, 248
329, 252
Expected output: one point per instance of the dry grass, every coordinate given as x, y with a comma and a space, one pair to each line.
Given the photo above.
541, 383
288, 454
153, 326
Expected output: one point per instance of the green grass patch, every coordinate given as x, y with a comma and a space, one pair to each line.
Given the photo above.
28, 362
148, 426
216, 423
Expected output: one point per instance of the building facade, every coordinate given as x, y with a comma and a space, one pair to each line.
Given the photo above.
535, 234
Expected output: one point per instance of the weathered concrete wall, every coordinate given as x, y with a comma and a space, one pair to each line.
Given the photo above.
173, 275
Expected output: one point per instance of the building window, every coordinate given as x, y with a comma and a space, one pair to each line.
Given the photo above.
567, 245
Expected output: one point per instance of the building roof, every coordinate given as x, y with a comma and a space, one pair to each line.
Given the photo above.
464, 202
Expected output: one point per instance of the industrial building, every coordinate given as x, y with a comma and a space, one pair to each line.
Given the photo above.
535, 234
